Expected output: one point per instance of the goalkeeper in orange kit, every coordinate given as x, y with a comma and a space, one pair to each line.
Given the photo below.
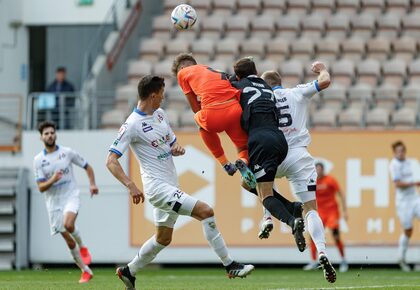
218, 111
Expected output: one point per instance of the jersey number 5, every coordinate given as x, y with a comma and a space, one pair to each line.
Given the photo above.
286, 118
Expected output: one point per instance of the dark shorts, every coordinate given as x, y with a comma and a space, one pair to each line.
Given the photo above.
267, 149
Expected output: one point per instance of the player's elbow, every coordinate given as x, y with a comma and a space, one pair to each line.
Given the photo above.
110, 161
324, 80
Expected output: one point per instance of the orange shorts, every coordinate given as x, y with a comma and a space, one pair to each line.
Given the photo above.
330, 218
224, 118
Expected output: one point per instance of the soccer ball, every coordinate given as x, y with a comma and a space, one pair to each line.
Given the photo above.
183, 16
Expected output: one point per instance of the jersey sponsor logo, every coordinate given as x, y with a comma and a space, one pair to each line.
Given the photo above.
282, 100
44, 163
161, 141
146, 127
164, 156
160, 118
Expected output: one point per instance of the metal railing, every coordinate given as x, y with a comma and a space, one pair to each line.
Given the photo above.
112, 22
10, 122
67, 110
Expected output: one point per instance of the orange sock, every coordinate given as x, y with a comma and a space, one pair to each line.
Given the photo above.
313, 251
244, 156
213, 143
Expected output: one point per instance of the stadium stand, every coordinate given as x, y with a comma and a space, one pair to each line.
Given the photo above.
371, 47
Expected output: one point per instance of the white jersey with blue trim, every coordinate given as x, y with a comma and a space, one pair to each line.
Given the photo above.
62, 159
293, 112
151, 138
400, 170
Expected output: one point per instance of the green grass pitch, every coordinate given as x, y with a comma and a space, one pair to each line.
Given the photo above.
209, 279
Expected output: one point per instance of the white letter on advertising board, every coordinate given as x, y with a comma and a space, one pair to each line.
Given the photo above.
374, 225
356, 183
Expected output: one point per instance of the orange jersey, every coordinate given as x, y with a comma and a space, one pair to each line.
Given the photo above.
326, 189
210, 85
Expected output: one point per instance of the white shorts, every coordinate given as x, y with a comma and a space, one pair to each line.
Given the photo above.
170, 202
56, 215
299, 169
407, 210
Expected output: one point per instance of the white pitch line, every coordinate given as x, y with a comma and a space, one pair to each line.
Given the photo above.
355, 287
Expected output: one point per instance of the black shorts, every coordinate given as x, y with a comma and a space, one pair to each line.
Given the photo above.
267, 149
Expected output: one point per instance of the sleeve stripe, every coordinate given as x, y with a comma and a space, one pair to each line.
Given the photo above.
86, 165
173, 142
41, 179
115, 151
317, 86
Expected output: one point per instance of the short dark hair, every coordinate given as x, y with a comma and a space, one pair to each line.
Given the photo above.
319, 163
245, 67
148, 85
397, 144
272, 78
181, 59
61, 69
44, 125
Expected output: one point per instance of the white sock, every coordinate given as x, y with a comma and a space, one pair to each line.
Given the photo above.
76, 236
402, 246
316, 230
215, 240
267, 214
147, 253
78, 260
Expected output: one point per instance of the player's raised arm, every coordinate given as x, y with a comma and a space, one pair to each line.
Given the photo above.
115, 168
324, 79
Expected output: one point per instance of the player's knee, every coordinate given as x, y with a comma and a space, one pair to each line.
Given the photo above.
164, 240
408, 233
69, 227
207, 212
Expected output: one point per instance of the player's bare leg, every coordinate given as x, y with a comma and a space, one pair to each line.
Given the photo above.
69, 225
402, 249
279, 211
74, 250
317, 233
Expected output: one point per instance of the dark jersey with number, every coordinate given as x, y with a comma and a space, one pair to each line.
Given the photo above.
258, 103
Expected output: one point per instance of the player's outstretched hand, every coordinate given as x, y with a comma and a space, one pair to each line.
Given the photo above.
177, 150
318, 66
135, 193
93, 190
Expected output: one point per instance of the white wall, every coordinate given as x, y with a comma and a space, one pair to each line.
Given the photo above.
14, 70
104, 220
56, 12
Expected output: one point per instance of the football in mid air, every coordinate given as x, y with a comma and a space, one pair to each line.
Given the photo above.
183, 16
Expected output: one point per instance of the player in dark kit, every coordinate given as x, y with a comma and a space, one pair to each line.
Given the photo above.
267, 145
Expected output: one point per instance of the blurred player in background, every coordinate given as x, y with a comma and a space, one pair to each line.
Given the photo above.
266, 143
53, 169
218, 111
407, 200
327, 189
299, 165
148, 133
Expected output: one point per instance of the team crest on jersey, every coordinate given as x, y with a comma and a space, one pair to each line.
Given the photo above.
121, 132
146, 127
61, 156
44, 163
160, 118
